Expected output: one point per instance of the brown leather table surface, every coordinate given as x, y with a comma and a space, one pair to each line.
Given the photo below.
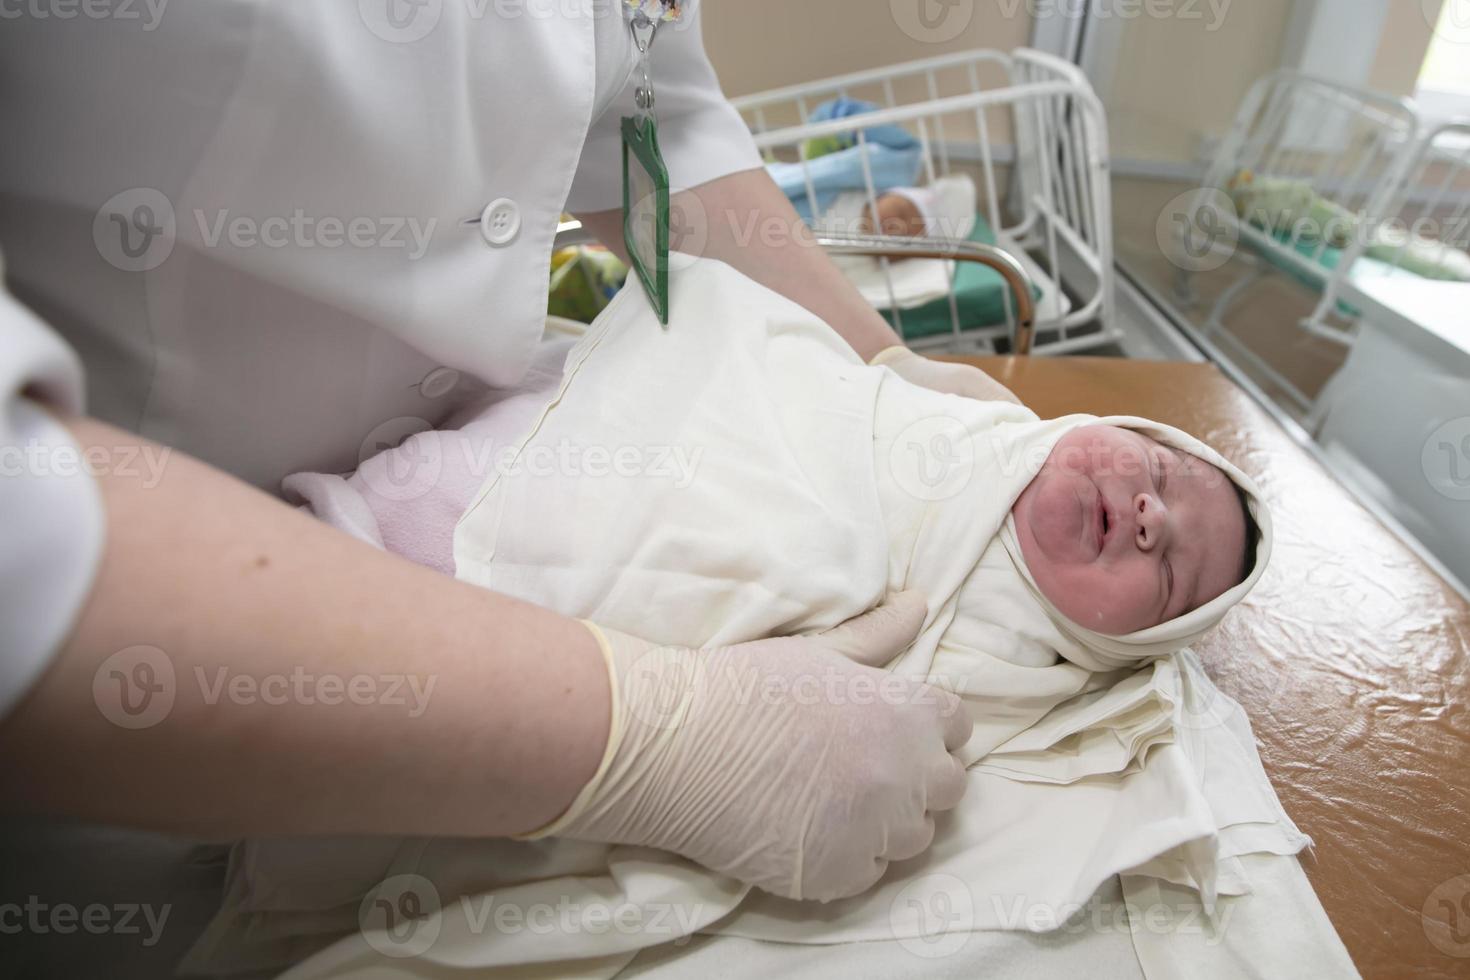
1351, 656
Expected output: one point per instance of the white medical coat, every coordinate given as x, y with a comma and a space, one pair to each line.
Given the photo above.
260, 231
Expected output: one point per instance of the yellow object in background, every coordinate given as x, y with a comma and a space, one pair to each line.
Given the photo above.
584, 279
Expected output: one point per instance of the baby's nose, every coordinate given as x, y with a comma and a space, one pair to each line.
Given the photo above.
1150, 519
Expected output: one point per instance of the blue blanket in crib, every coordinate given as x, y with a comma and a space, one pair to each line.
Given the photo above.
893, 155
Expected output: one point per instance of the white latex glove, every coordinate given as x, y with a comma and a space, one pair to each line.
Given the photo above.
945, 376
792, 764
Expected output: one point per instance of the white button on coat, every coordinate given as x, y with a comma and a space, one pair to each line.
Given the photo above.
500, 222
439, 382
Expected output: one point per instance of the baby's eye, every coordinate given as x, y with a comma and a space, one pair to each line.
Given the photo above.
1160, 478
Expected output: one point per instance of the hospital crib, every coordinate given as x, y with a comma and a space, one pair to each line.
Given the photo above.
1426, 226
1331, 185
1030, 133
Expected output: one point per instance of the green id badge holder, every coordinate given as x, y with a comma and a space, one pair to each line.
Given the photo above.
646, 210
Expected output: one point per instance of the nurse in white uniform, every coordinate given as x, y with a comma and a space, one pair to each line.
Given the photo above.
244, 238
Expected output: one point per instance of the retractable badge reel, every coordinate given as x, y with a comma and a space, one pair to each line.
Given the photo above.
645, 178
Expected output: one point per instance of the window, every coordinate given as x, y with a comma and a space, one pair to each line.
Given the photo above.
1444, 82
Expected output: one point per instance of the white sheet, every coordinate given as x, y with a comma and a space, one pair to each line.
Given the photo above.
1131, 929
1150, 775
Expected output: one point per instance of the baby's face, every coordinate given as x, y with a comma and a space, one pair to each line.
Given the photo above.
1121, 532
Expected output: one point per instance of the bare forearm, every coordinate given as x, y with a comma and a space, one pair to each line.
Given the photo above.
319, 685
743, 219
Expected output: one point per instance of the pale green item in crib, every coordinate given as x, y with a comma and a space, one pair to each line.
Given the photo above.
1421, 256
1280, 204
1284, 207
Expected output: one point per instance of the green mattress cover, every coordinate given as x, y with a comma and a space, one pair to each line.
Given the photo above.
980, 297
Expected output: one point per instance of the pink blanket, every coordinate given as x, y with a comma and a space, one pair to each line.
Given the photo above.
407, 499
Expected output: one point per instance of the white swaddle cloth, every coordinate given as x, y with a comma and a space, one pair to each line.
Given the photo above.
818, 485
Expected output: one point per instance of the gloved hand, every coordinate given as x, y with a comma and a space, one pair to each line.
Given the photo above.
792, 764
948, 377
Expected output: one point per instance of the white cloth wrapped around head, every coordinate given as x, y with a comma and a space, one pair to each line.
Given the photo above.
1102, 652
1052, 700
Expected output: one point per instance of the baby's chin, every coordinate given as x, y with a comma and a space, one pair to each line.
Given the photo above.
1094, 615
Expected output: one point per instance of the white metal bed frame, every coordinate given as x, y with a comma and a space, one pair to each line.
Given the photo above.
1058, 195
1363, 152
1438, 163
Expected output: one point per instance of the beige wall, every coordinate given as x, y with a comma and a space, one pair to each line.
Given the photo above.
1174, 78
1177, 81
762, 44
1405, 43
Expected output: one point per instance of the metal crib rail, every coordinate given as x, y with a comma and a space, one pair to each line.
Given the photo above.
1015, 275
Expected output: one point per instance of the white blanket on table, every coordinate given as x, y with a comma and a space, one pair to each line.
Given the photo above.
830, 484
